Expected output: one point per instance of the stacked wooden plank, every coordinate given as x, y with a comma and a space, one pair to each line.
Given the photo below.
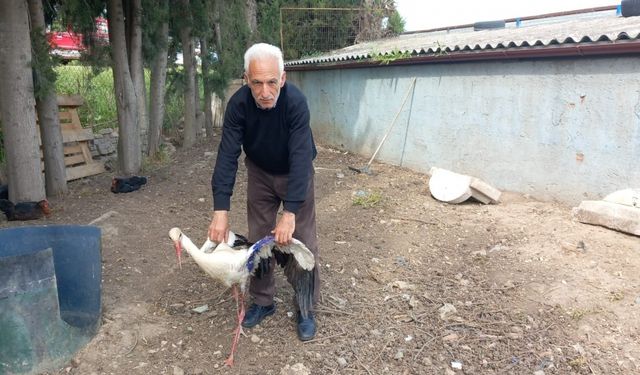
77, 156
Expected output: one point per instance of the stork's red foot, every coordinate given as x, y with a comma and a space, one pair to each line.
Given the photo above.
229, 361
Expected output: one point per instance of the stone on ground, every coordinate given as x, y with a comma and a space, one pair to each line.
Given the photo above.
615, 216
451, 187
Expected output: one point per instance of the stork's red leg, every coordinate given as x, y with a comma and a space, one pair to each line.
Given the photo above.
239, 297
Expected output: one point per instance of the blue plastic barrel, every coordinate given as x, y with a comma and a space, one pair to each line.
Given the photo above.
50, 289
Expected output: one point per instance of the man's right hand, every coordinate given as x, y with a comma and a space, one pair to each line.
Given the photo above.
219, 227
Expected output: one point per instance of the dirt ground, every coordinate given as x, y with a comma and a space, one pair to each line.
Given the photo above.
410, 285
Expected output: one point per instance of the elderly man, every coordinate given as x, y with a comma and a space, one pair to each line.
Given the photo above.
269, 119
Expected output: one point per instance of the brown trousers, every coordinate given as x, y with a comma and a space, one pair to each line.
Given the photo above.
265, 194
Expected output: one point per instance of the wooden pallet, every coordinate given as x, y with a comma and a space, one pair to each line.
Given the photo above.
77, 157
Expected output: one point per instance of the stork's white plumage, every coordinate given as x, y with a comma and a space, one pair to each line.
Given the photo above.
234, 266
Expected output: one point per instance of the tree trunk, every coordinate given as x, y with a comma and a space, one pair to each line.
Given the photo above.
17, 105
208, 115
158, 79
129, 155
136, 66
196, 91
49, 121
189, 91
252, 17
216, 26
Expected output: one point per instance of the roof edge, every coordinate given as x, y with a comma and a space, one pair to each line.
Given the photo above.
575, 50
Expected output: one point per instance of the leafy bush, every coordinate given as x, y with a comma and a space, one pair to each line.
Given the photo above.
96, 88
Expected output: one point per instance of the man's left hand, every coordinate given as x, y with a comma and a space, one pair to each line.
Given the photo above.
284, 229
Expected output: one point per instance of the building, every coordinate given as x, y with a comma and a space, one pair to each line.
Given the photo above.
546, 105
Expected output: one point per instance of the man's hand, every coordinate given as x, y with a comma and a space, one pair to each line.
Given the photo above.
219, 227
285, 227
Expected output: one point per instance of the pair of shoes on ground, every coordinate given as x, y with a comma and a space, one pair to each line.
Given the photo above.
256, 314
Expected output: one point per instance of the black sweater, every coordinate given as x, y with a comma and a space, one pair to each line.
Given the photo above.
278, 140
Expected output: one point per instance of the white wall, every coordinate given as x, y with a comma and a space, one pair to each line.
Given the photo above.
559, 129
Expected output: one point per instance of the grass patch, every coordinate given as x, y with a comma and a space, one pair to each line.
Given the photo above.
578, 314
615, 296
578, 363
96, 88
367, 199
161, 159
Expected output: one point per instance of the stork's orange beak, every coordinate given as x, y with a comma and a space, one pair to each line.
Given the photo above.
178, 252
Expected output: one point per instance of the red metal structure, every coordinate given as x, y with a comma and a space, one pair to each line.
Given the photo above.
69, 45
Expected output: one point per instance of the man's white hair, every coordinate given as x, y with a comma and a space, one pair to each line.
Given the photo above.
262, 50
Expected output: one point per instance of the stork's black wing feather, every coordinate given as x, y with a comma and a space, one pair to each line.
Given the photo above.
304, 284
241, 241
282, 258
263, 267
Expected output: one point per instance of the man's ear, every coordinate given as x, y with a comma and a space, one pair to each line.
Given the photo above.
246, 79
283, 79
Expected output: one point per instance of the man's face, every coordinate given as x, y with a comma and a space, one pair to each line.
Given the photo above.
265, 81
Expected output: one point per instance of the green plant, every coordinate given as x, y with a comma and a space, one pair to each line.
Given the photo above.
367, 200
578, 314
615, 296
96, 88
161, 158
389, 57
440, 51
396, 23
578, 363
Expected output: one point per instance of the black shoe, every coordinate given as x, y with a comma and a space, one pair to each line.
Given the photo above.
256, 314
306, 327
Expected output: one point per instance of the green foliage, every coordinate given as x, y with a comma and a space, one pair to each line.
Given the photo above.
396, 23
389, 57
42, 64
81, 15
160, 159
308, 32
269, 21
235, 39
366, 199
174, 97
96, 88
156, 12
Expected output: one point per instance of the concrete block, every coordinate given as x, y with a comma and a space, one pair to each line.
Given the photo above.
484, 192
451, 187
615, 216
628, 197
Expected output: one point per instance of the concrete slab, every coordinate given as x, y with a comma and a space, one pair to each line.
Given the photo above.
615, 216
451, 187
484, 192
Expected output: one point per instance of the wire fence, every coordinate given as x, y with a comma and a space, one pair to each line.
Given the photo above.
305, 32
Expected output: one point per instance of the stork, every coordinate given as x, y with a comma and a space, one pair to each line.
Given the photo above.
234, 266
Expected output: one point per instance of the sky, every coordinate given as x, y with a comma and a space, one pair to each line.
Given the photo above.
429, 14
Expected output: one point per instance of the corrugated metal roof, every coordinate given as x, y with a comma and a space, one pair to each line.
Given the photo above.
602, 28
